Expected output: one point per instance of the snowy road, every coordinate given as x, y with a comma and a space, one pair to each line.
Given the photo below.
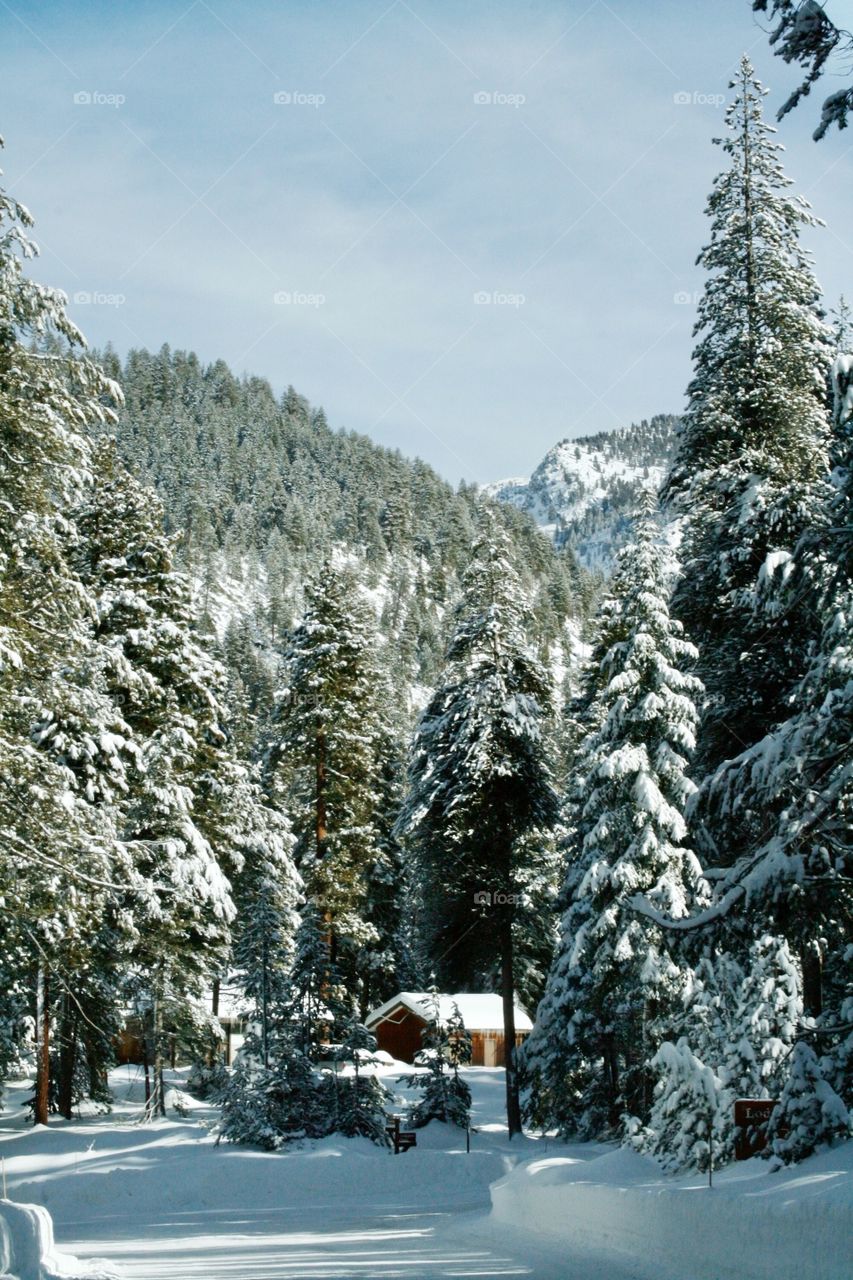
163, 1202
279, 1245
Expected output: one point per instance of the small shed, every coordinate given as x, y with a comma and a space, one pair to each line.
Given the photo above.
398, 1024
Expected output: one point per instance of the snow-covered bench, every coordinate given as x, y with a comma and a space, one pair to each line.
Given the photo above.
27, 1251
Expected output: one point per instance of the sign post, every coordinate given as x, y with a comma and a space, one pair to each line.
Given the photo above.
402, 1139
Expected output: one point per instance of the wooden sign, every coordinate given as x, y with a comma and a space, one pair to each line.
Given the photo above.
751, 1117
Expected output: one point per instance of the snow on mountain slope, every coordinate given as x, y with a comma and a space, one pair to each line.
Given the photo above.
584, 491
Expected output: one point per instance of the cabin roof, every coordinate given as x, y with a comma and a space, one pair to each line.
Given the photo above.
480, 1011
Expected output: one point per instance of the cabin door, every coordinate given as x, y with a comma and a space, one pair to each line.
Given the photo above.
490, 1051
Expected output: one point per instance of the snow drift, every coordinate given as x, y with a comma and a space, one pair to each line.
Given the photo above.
27, 1250
752, 1225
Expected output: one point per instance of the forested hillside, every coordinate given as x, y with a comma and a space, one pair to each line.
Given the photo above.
262, 489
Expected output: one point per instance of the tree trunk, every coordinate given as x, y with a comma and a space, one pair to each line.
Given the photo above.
611, 1066
811, 961
320, 796
42, 1095
147, 1073
67, 1057
321, 833
265, 1012
213, 1050
513, 1106
159, 1092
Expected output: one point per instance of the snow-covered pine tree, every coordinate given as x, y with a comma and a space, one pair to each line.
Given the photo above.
754, 438
613, 985
52, 824
790, 795
329, 737
383, 961
810, 1112
766, 1021
690, 1101
361, 1097
481, 803
184, 788
271, 1106
266, 892
446, 1047
319, 1003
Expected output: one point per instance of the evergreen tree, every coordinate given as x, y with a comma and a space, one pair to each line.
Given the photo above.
446, 1047
56, 831
361, 1097
613, 985
330, 734
766, 1020
184, 789
480, 798
810, 1112
787, 800
754, 436
685, 1117
265, 893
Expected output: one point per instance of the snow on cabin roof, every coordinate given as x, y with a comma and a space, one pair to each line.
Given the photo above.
480, 1012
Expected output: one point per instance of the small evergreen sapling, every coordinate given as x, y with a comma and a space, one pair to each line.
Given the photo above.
690, 1102
446, 1097
809, 1113
361, 1097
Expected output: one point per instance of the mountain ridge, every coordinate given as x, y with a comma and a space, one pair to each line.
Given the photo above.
583, 493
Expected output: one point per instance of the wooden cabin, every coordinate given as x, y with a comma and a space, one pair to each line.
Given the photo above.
224, 1001
399, 1024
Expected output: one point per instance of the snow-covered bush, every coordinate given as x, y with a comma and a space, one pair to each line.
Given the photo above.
687, 1126
361, 1099
446, 1096
270, 1106
809, 1113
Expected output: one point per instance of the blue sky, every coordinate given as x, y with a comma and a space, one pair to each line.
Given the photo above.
468, 230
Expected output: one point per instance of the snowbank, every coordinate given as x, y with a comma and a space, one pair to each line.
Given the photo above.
753, 1225
27, 1250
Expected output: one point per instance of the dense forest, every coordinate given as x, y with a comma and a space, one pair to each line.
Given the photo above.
282, 709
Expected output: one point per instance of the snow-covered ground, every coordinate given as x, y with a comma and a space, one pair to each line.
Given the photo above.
751, 1225
163, 1201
